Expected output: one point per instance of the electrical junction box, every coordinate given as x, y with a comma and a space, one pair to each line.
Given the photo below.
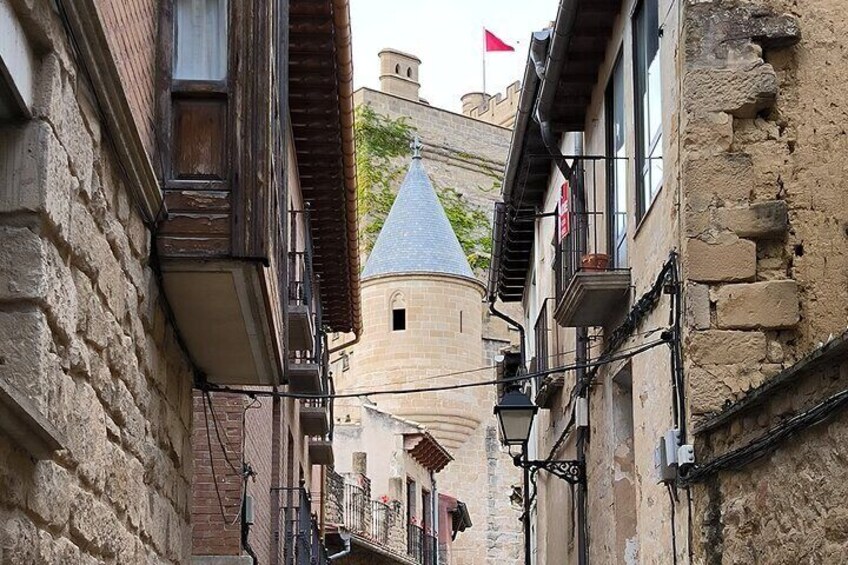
581, 412
685, 455
665, 456
248, 510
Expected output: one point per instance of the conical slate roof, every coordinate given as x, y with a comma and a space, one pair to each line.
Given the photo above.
417, 236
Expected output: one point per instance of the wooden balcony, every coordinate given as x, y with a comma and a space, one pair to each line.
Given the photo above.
230, 170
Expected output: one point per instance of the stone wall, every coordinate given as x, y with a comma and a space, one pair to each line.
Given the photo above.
84, 335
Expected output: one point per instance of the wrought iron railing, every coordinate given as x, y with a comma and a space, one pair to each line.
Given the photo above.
592, 231
421, 545
541, 335
302, 544
351, 507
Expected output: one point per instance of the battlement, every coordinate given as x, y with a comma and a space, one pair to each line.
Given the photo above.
499, 109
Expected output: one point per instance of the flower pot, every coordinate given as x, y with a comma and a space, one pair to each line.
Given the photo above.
594, 262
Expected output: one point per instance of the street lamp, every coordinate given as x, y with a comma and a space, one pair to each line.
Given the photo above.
515, 414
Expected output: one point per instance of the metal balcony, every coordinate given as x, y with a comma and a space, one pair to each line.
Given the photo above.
592, 279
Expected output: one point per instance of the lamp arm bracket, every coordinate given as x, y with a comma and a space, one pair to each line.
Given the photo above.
571, 471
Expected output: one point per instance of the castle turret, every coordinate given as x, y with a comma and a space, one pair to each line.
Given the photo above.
399, 74
422, 313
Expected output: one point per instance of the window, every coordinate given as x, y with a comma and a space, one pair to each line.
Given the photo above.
345, 362
649, 168
408, 72
17, 68
460, 321
426, 511
398, 306
198, 112
616, 167
397, 69
398, 319
200, 38
411, 511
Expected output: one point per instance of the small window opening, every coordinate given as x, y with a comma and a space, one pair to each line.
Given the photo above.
397, 69
460, 321
409, 72
398, 319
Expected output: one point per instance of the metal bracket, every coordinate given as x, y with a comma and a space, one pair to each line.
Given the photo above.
571, 471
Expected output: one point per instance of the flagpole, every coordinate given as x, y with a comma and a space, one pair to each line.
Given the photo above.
484, 60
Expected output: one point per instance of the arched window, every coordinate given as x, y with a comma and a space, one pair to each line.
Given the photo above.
397, 69
398, 308
409, 72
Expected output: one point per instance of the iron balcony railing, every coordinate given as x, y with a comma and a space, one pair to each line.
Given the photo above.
302, 542
351, 507
592, 220
303, 288
421, 545
541, 336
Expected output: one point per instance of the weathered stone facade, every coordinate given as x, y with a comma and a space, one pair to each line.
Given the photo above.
756, 213
84, 335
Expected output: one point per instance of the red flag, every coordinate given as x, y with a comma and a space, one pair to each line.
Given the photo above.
493, 43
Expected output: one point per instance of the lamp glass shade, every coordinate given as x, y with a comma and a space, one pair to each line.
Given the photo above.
515, 416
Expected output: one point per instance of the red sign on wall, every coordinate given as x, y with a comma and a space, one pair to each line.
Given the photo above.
564, 211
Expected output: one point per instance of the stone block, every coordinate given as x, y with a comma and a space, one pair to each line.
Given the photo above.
758, 221
741, 92
767, 305
51, 494
725, 262
726, 176
25, 358
18, 539
719, 347
697, 299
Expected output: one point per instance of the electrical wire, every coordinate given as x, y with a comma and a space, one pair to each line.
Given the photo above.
209, 387
673, 525
212, 464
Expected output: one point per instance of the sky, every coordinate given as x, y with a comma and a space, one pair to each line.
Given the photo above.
447, 35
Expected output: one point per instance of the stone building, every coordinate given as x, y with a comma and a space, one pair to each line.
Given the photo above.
422, 325
499, 109
667, 213
384, 492
158, 233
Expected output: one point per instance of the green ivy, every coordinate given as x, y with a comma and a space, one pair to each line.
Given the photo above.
380, 140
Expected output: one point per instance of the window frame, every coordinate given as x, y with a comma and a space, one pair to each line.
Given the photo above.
645, 196
612, 163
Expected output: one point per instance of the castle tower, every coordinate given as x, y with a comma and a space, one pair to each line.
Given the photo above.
422, 320
399, 74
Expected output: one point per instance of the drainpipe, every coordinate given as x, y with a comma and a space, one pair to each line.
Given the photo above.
345, 535
582, 495
559, 41
511, 322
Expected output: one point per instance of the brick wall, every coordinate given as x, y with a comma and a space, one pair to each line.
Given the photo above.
216, 513
131, 30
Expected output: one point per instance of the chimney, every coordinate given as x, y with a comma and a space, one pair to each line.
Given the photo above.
399, 74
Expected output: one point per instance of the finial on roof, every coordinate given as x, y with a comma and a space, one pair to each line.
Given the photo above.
416, 147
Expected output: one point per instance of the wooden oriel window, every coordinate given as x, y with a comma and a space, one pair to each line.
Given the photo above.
199, 93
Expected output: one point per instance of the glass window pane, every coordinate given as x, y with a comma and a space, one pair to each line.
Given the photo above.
649, 101
200, 39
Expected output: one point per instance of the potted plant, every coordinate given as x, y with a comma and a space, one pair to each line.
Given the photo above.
594, 262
